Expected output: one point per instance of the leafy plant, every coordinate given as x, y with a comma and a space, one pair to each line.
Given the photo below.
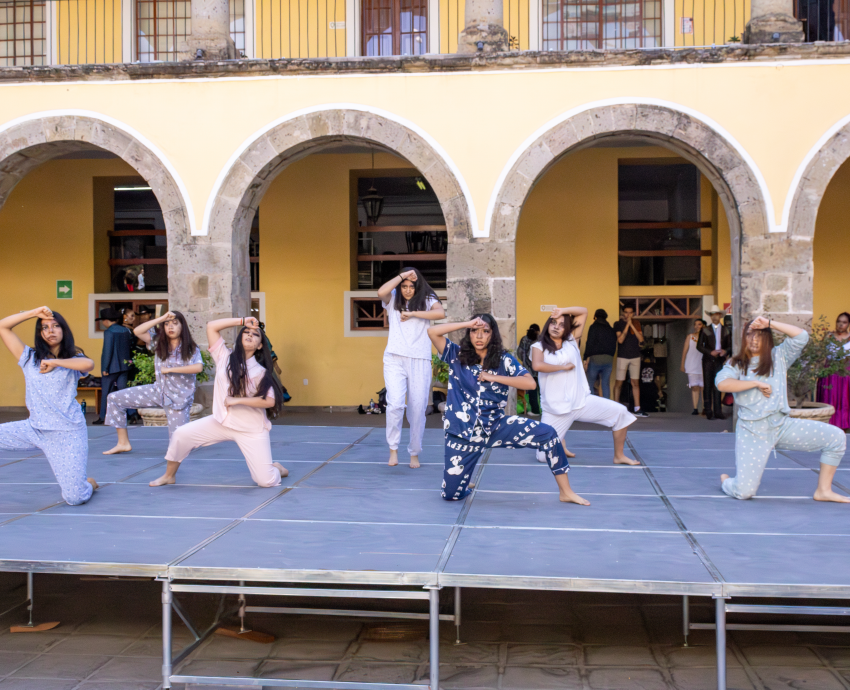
823, 356
439, 369
146, 371
733, 39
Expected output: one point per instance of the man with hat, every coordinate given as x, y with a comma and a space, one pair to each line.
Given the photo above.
115, 358
715, 344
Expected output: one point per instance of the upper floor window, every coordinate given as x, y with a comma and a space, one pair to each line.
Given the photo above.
601, 24
22, 33
395, 27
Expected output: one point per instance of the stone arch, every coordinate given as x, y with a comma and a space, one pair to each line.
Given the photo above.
755, 253
27, 144
249, 177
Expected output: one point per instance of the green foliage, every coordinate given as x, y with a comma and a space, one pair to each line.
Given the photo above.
822, 357
734, 39
146, 372
439, 369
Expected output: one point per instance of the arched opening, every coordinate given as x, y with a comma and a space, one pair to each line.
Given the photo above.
92, 207
299, 190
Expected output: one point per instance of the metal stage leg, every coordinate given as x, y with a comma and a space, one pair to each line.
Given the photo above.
686, 618
720, 630
30, 597
457, 615
434, 635
166, 633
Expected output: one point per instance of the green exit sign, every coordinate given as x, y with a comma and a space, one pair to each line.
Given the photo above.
64, 289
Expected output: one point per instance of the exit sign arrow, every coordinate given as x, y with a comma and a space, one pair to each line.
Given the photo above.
64, 289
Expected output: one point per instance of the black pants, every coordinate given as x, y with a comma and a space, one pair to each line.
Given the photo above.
117, 381
533, 398
711, 397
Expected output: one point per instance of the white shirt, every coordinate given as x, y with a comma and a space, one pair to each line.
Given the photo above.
408, 338
717, 335
562, 392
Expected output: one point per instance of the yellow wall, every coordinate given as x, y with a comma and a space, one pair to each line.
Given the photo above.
305, 265
831, 295
53, 204
714, 21
87, 31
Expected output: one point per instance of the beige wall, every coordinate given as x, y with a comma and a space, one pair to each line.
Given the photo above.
832, 249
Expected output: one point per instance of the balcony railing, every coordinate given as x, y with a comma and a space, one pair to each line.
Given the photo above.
62, 32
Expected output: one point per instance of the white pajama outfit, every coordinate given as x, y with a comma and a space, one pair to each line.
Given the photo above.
693, 364
248, 426
764, 423
407, 373
565, 396
56, 427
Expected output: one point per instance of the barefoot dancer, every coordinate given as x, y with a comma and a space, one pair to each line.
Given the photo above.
246, 396
480, 373
177, 361
565, 394
411, 304
56, 426
758, 377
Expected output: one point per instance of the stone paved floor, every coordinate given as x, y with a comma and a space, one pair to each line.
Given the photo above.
109, 640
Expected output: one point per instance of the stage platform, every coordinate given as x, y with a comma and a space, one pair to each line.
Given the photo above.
344, 516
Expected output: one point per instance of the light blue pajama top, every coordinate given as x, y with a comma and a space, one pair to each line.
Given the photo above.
752, 405
51, 398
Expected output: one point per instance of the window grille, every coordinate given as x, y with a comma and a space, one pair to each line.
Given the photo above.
395, 27
22, 33
601, 24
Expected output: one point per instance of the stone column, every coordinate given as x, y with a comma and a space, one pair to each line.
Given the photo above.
772, 21
210, 32
484, 26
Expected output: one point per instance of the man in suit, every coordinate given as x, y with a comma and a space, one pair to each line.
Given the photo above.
114, 360
715, 344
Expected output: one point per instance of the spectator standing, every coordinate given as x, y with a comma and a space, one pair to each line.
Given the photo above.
835, 389
115, 358
629, 339
715, 344
599, 351
531, 399
692, 364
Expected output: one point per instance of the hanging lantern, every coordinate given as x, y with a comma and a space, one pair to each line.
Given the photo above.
374, 204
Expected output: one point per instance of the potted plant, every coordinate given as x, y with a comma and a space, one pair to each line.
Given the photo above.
822, 357
146, 374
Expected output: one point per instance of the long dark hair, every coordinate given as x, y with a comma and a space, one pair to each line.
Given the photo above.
765, 355
469, 357
546, 338
237, 372
421, 292
533, 332
41, 350
187, 342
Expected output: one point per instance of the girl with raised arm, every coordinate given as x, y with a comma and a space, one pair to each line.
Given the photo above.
564, 393
247, 394
177, 362
758, 378
480, 374
56, 425
411, 305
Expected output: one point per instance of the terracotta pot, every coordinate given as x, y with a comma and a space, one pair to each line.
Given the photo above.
819, 412
155, 416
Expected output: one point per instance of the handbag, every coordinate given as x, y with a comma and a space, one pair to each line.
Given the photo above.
728, 399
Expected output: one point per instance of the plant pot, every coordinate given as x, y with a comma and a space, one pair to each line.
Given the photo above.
819, 412
155, 416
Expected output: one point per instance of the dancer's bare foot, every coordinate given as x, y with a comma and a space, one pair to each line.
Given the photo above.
569, 453
624, 460
94, 485
414, 462
119, 448
573, 497
280, 468
830, 495
393, 458
163, 480
723, 478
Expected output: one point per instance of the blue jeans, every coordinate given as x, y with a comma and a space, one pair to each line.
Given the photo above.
595, 370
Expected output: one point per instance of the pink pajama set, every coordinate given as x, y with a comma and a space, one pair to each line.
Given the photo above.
248, 426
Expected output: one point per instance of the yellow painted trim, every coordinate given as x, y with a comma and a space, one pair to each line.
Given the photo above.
666, 290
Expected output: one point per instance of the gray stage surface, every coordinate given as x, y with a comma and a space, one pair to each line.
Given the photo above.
344, 516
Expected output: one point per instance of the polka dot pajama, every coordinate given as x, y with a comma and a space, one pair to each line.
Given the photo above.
137, 397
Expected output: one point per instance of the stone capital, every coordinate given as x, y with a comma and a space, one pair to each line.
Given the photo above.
773, 27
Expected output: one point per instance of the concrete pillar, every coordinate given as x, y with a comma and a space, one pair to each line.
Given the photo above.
772, 21
485, 30
210, 32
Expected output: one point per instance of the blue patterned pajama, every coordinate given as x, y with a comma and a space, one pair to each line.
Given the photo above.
508, 432
755, 440
67, 452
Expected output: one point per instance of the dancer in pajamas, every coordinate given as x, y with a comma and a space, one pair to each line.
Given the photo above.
247, 394
56, 425
758, 378
411, 304
565, 394
177, 362
480, 373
